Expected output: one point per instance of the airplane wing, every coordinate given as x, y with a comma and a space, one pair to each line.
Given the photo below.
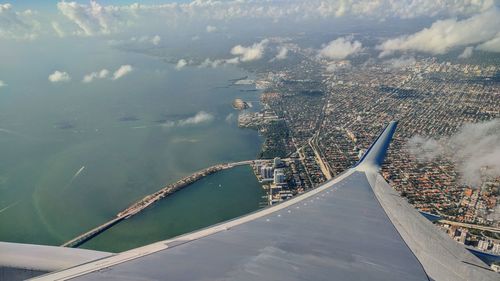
353, 227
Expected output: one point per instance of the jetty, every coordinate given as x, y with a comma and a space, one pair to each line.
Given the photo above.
149, 200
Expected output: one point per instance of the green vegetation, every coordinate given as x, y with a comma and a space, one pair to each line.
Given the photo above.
276, 134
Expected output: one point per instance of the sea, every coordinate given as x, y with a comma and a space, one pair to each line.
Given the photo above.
74, 154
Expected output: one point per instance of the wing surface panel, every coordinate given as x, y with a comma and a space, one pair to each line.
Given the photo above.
340, 232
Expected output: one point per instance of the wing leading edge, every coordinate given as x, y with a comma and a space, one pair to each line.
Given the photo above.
353, 227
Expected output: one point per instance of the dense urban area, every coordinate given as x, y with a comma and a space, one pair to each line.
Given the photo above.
322, 115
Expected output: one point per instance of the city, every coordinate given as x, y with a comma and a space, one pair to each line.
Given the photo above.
250, 140
340, 116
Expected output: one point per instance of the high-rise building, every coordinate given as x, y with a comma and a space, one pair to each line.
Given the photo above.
266, 172
277, 163
279, 177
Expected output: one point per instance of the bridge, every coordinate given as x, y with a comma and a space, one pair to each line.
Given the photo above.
148, 200
473, 226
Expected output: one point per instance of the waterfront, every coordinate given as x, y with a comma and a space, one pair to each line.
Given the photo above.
85, 152
151, 199
215, 198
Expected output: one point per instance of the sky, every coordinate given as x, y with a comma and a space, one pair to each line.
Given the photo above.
452, 23
251, 27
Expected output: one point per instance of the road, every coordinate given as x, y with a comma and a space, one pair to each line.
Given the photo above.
473, 226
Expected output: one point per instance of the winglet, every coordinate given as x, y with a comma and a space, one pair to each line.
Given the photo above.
374, 156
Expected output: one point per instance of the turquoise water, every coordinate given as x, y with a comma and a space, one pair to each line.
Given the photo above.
219, 197
74, 154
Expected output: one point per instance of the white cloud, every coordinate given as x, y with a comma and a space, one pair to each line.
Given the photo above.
250, 53
475, 151
59, 76
156, 40
198, 118
211, 63
58, 29
444, 35
282, 54
2, 84
401, 62
95, 19
181, 64
17, 25
341, 48
122, 71
234, 60
211, 28
92, 18
95, 75
467, 53
492, 45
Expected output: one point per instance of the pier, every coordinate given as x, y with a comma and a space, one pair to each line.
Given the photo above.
148, 200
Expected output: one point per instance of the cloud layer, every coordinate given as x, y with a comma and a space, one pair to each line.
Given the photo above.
282, 53
122, 71
102, 74
17, 25
59, 77
92, 18
198, 118
250, 53
341, 48
444, 35
181, 64
475, 151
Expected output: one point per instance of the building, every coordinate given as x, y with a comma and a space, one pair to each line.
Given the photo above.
277, 163
266, 172
279, 177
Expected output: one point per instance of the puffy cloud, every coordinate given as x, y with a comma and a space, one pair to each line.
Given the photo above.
475, 151
156, 40
181, 64
211, 28
401, 62
2, 84
492, 45
425, 149
282, 53
59, 76
444, 35
122, 71
250, 53
341, 48
17, 25
198, 118
91, 19
95, 19
95, 75
467, 53
211, 63
234, 60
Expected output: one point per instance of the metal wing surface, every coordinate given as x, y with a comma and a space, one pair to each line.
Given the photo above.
354, 227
